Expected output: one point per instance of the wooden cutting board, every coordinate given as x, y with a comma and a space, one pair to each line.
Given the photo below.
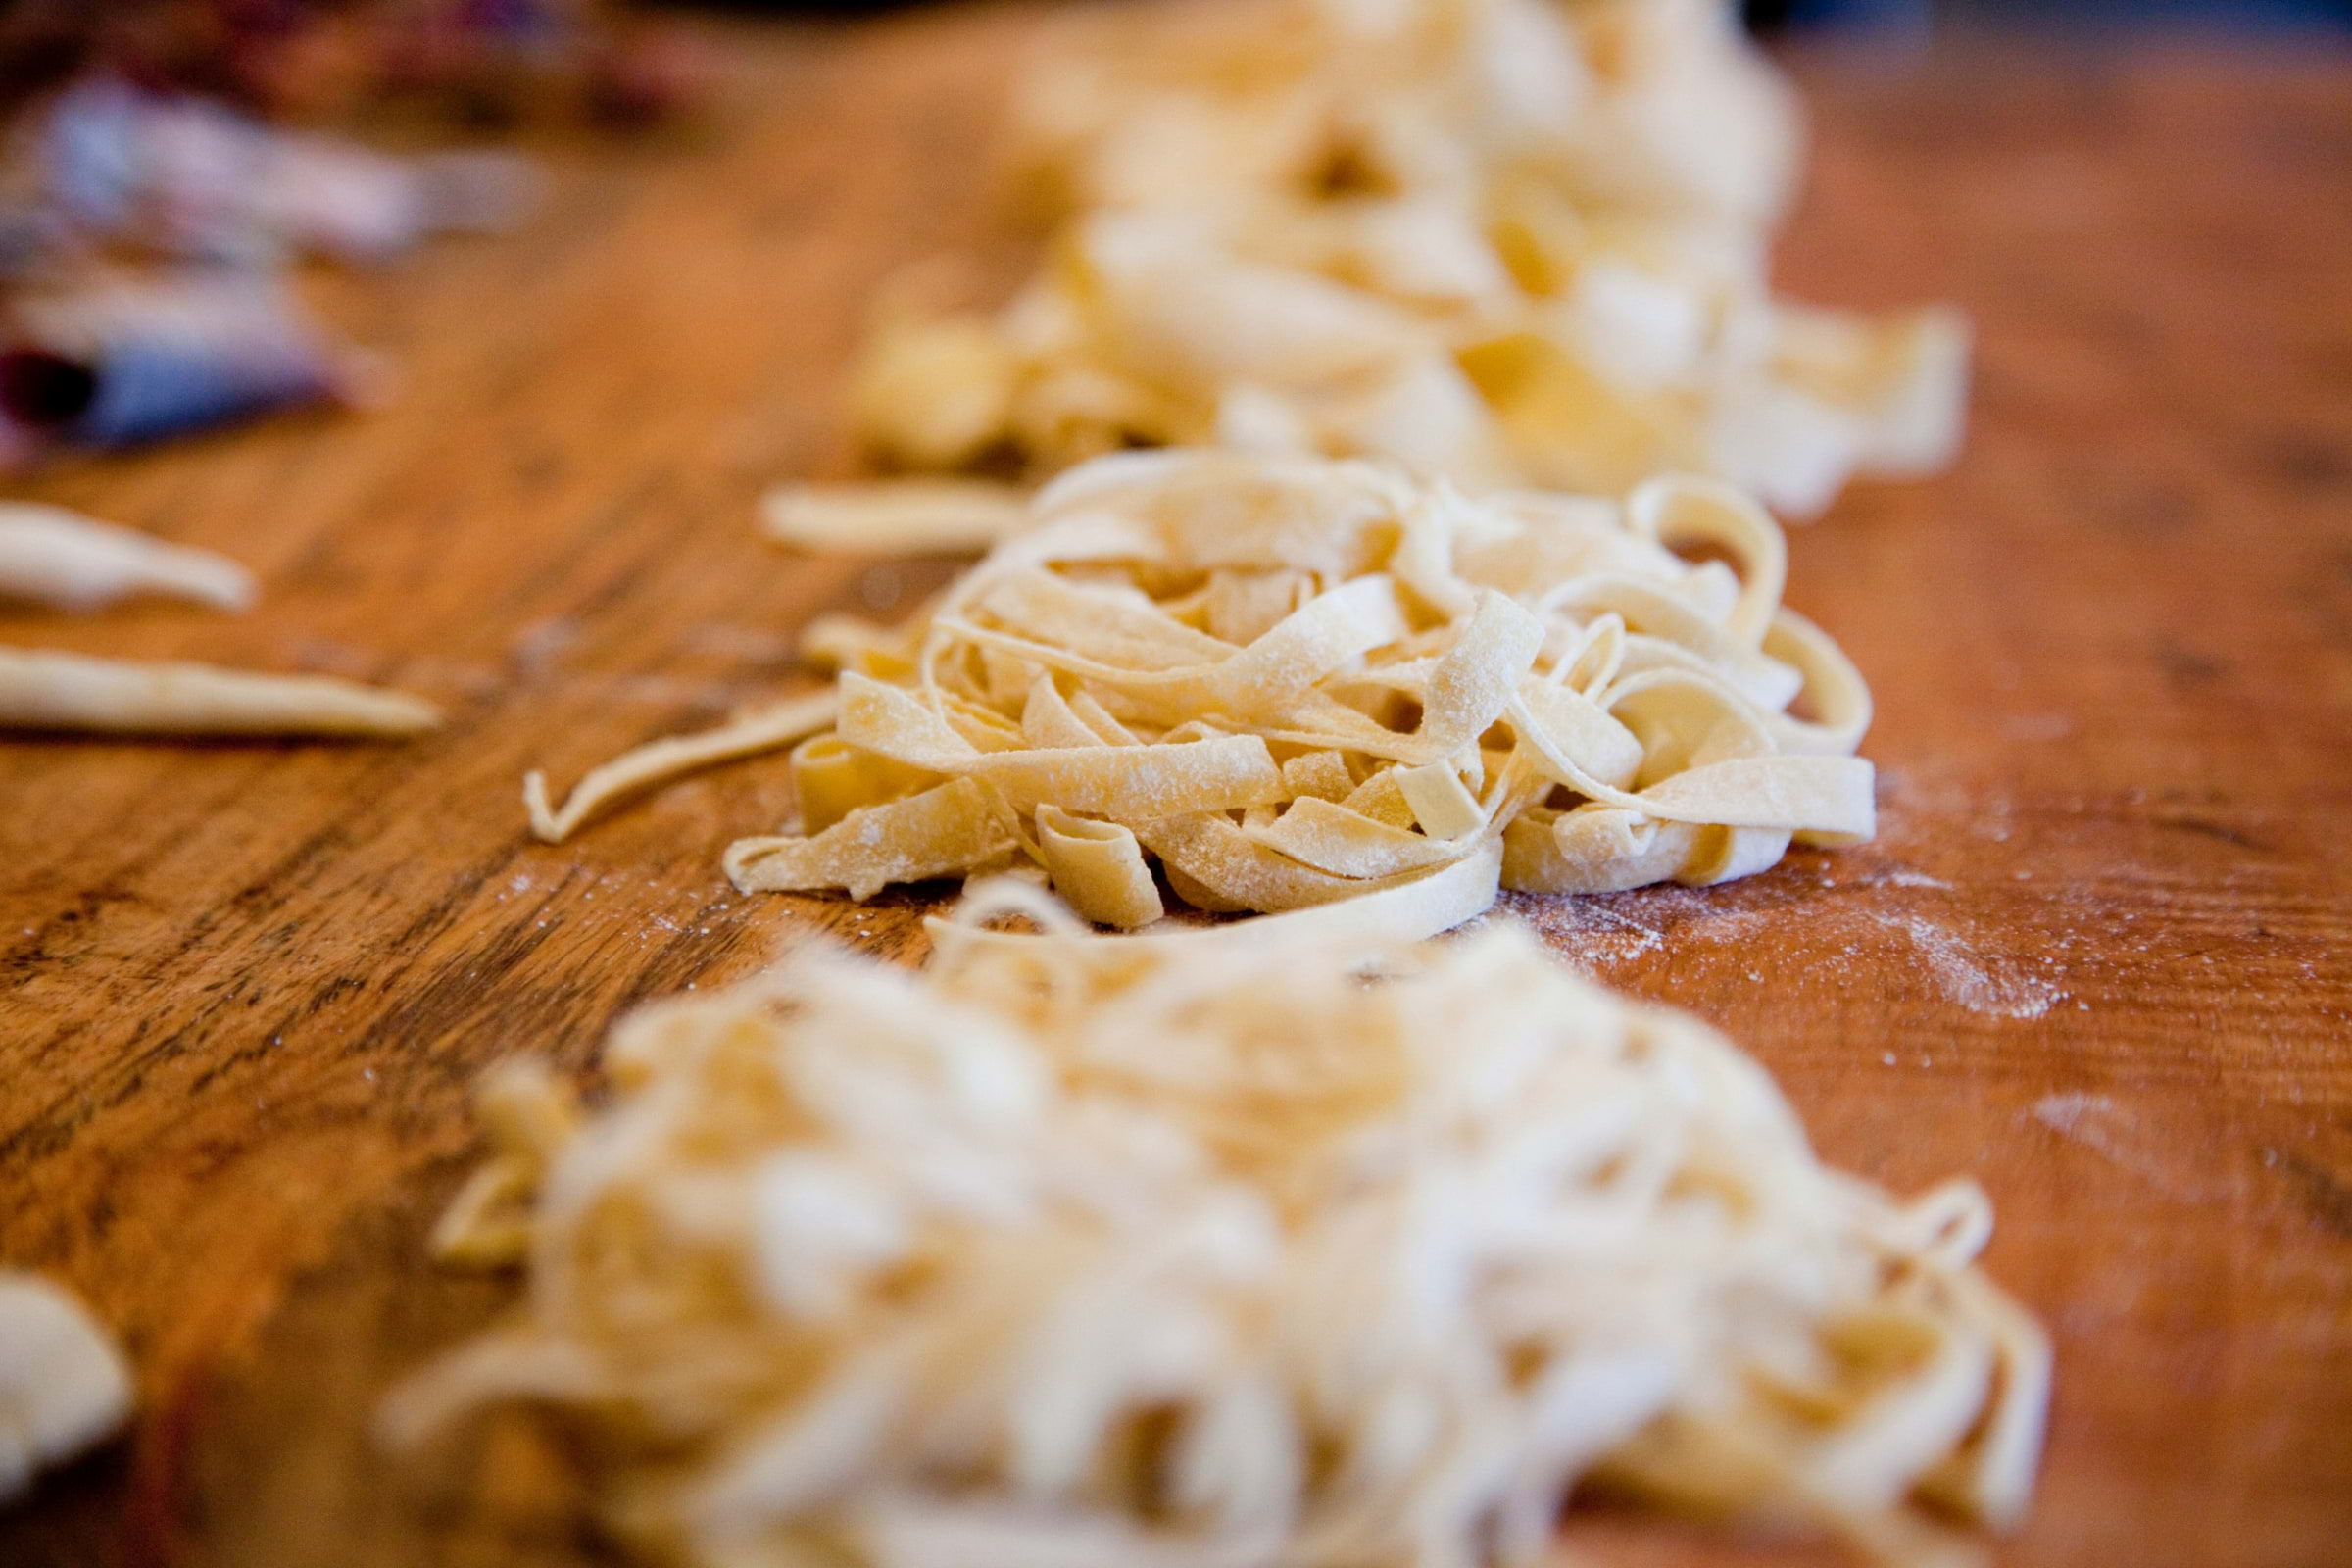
2097, 956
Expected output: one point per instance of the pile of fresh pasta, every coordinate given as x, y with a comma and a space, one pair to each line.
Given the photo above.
1509, 241
1299, 1241
1277, 1245
1277, 683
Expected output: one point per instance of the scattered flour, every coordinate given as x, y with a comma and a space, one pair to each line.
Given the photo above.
537, 647
1585, 931
1960, 975
740, 642
325, 655
1904, 876
2031, 727
662, 691
1706, 926
2115, 1135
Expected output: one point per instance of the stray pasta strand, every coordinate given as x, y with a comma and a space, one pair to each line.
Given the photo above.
1082, 1250
43, 690
655, 762
63, 559
893, 516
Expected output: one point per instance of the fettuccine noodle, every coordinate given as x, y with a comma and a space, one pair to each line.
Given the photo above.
1281, 683
1080, 1250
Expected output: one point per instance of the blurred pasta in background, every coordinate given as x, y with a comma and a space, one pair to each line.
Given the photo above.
1505, 241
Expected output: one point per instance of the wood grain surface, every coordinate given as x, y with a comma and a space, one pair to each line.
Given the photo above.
2097, 956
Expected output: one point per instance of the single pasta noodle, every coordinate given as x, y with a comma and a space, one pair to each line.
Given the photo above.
62, 559
1272, 684
1306, 1250
45, 690
893, 518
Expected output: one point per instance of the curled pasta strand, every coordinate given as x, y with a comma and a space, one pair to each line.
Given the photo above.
657, 762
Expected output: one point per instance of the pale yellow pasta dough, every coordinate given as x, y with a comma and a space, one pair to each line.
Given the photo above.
63, 1385
1279, 683
1282, 1245
64, 559
44, 690
1509, 242
893, 516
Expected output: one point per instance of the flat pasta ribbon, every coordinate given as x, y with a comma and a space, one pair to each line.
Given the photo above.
1278, 683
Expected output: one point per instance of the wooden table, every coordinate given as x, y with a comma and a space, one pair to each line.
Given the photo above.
2097, 955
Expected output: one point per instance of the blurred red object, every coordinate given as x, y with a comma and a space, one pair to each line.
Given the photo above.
169, 163
318, 60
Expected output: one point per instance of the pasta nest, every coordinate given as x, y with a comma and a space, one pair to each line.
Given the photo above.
1512, 242
1200, 1251
1289, 682
1656, 106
